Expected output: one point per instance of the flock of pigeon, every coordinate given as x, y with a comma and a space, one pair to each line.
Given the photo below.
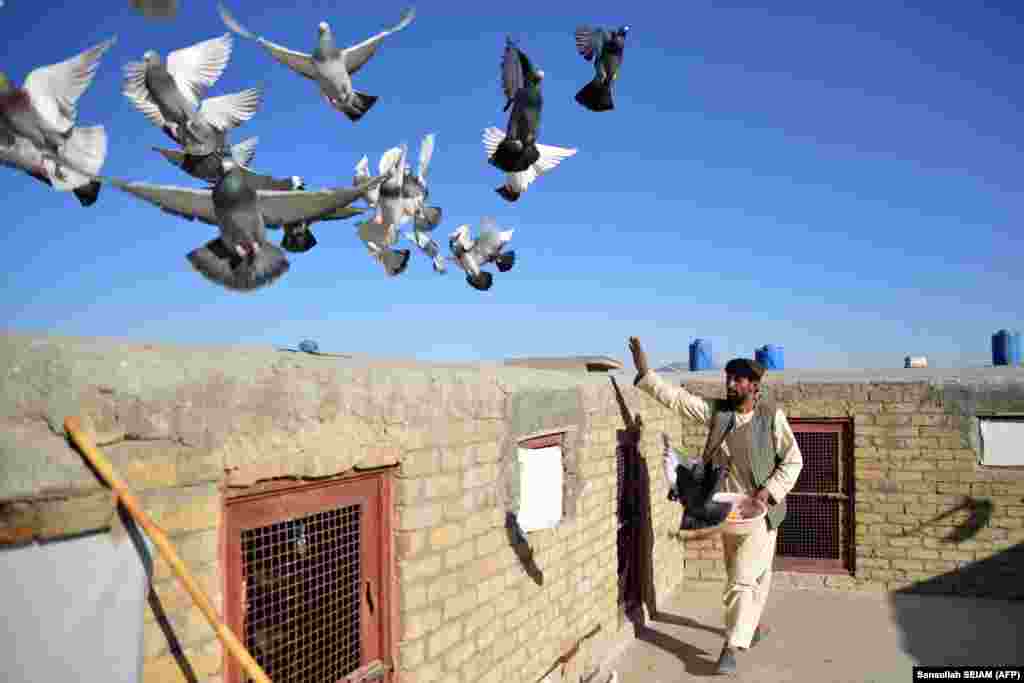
39, 135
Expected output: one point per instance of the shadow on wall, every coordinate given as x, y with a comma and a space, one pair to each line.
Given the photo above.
980, 623
636, 533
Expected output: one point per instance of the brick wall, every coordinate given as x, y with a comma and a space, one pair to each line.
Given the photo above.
916, 462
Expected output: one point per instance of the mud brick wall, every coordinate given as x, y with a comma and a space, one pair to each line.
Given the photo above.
186, 428
928, 517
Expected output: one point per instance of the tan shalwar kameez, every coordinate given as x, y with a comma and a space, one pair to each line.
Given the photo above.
748, 559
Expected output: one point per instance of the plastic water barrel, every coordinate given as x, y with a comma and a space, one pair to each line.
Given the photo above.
1014, 348
770, 356
700, 355
915, 362
1001, 348
309, 346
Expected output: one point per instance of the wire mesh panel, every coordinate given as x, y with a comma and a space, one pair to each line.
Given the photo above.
302, 579
817, 534
305, 571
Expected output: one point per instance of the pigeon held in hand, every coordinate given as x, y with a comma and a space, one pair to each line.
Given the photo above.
44, 112
604, 48
472, 255
548, 157
241, 258
521, 83
330, 66
168, 94
26, 157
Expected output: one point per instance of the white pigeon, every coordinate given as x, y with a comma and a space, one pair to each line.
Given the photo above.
25, 156
516, 183
391, 204
45, 109
472, 255
429, 247
167, 93
425, 218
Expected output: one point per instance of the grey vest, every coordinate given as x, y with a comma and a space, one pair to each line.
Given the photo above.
762, 451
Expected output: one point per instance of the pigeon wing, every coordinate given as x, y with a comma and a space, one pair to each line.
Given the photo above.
197, 67
512, 78
260, 182
229, 111
589, 42
426, 153
55, 89
283, 208
135, 89
191, 204
489, 241
358, 55
492, 138
550, 157
298, 62
244, 152
392, 164
343, 213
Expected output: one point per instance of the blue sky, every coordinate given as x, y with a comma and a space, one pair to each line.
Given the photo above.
841, 179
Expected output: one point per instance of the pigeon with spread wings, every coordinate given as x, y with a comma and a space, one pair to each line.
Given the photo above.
44, 111
330, 66
241, 258
548, 157
168, 93
604, 48
472, 255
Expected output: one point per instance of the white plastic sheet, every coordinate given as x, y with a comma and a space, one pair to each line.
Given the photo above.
540, 488
73, 610
1002, 443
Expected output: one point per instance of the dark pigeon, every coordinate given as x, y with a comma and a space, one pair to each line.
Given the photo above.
520, 82
605, 49
694, 489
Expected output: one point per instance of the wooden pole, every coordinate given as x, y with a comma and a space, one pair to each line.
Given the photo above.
102, 465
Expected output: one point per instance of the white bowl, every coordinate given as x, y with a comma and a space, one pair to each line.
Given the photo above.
747, 525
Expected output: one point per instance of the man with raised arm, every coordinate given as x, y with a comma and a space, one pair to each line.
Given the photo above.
750, 438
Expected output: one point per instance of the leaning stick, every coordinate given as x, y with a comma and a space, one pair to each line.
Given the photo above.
74, 429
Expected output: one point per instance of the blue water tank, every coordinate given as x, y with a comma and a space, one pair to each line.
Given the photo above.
309, 346
1002, 348
1015, 349
700, 355
770, 356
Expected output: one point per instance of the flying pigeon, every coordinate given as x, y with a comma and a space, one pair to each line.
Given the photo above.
168, 94
25, 156
605, 49
298, 237
379, 238
391, 203
330, 66
242, 259
429, 247
472, 255
520, 82
548, 157
156, 9
44, 112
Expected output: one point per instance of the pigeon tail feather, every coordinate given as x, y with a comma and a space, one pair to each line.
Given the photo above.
217, 263
481, 282
88, 193
298, 238
596, 96
508, 194
505, 261
359, 105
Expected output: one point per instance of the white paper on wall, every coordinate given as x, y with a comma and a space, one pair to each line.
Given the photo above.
540, 488
1002, 443
73, 610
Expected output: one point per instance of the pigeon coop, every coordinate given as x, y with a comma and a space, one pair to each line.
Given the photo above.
818, 532
307, 588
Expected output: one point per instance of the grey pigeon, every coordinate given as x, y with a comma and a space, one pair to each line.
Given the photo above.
520, 82
416, 192
242, 259
168, 94
26, 157
429, 247
298, 238
156, 9
604, 48
472, 255
330, 66
548, 157
392, 208
44, 112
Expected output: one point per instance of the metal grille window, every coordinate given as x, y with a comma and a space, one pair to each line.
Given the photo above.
308, 579
817, 535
